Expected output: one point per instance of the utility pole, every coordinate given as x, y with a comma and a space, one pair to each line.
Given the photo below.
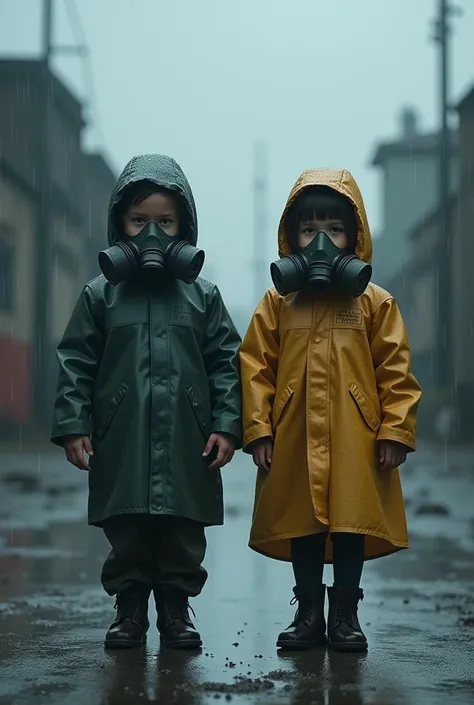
445, 361
260, 191
44, 220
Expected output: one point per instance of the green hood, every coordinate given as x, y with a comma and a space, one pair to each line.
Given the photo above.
163, 171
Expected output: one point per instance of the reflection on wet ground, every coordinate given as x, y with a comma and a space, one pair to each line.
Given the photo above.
418, 612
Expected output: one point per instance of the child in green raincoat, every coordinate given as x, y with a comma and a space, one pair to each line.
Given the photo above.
149, 389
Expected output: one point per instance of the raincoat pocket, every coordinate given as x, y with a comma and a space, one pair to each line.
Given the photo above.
280, 407
106, 418
198, 410
372, 419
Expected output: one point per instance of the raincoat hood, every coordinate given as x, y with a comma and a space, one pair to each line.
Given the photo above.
344, 183
162, 171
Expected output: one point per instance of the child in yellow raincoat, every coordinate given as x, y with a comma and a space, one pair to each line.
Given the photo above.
329, 410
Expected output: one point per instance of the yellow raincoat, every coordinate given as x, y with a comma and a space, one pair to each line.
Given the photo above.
326, 379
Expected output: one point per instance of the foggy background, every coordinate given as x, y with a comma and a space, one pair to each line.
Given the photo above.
319, 82
245, 96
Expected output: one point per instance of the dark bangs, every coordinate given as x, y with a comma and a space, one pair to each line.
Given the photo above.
135, 193
322, 203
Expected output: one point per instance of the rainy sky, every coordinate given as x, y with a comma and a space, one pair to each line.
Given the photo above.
320, 81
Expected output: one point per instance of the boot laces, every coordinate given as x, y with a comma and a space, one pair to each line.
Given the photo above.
346, 611
304, 611
127, 603
178, 609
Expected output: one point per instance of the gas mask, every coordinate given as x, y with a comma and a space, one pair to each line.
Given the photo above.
151, 253
322, 266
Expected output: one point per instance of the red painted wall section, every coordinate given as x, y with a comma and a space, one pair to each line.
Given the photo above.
15, 387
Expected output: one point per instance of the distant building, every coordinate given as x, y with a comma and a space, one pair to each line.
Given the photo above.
99, 182
409, 168
420, 289
80, 188
421, 280
463, 280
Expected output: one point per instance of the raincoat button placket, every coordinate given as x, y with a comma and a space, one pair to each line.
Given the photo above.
157, 487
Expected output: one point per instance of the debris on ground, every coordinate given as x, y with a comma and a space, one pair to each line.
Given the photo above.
242, 684
467, 621
432, 509
232, 511
281, 675
23, 480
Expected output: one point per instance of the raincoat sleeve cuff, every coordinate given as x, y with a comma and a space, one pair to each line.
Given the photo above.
231, 429
59, 434
254, 434
404, 437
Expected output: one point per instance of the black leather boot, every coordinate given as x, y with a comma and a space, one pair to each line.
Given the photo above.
174, 624
309, 626
131, 624
344, 630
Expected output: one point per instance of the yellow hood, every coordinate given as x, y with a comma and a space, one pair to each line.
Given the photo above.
342, 181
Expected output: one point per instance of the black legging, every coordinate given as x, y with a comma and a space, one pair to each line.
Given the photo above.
307, 557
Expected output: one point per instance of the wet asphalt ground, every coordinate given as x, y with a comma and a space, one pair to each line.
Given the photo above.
418, 611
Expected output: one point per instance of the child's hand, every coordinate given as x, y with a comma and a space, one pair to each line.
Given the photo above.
74, 447
391, 454
225, 445
262, 450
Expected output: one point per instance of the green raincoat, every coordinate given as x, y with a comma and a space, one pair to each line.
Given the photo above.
150, 375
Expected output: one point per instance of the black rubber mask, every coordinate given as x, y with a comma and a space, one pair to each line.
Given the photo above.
322, 266
151, 254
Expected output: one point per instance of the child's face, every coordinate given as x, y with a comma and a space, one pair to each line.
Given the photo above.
158, 207
335, 229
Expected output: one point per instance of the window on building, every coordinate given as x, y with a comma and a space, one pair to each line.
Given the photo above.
7, 257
